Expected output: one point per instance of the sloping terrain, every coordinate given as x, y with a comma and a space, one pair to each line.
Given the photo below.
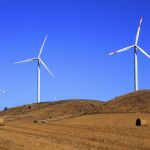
129, 103
66, 125
50, 110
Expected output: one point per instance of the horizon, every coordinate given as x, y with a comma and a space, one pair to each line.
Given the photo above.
81, 34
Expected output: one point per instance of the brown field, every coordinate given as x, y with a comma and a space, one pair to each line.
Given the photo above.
88, 132
78, 125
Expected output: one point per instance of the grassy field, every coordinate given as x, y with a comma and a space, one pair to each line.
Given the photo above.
78, 125
89, 132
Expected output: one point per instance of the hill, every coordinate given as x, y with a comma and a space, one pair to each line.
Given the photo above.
66, 125
51, 110
129, 103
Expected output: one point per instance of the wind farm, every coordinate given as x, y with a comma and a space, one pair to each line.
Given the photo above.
79, 123
68, 92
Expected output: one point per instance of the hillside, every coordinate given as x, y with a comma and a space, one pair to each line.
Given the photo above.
51, 110
129, 103
66, 125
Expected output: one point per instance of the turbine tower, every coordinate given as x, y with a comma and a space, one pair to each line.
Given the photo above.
136, 48
39, 62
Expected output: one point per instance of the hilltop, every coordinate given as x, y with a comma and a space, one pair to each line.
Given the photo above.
134, 102
51, 110
129, 103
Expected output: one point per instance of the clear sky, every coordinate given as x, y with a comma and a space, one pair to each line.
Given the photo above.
81, 33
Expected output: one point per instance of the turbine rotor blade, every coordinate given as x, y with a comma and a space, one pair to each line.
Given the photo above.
122, 50
46, 68
41, 49
138, 32
146, 54
27, 60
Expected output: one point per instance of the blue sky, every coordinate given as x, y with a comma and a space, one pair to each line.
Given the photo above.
81, 33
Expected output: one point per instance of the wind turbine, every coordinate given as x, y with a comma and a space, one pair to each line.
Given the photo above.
136, 48
39, 62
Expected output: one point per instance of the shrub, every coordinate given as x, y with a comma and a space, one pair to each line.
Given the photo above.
5, 109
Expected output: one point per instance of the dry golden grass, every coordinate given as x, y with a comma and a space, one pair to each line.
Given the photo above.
89, 132
66, 125
138, 101
50, 109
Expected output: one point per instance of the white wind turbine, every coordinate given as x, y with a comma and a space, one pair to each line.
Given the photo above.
39, 62
136, 48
